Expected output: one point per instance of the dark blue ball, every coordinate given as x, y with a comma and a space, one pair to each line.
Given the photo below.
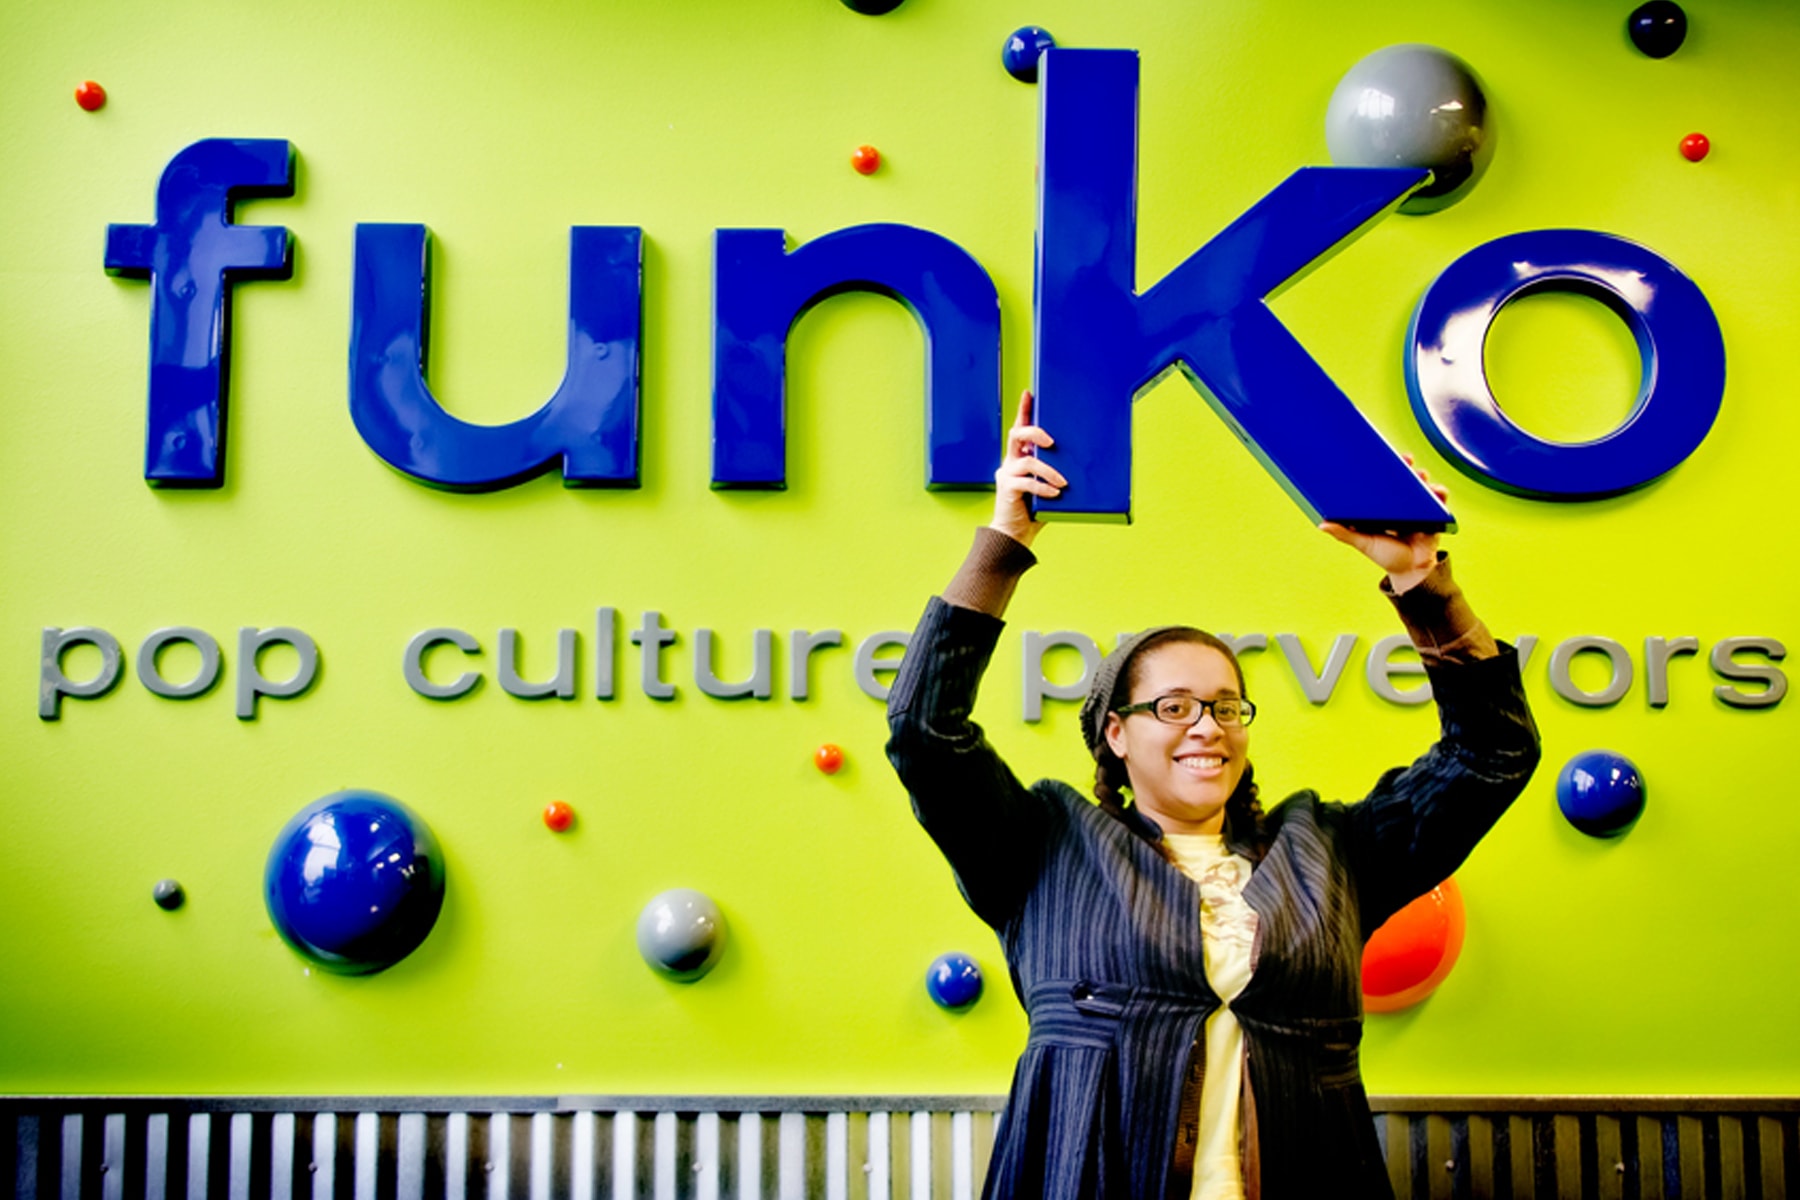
1657, 28
354, 882
1020, 54
1601, 793
954, 980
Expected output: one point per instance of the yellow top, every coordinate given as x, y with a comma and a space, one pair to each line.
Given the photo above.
1228, 926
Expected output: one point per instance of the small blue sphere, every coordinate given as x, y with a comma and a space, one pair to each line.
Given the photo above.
954, 980
1601, 793
1020, 54
354, 882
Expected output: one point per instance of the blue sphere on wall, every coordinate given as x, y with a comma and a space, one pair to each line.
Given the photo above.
354, 882
1413, 106
681, 934
953, 980
1657, 28
1020, 54
1601, 793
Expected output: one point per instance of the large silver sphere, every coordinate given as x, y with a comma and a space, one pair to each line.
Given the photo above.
681, 934
1413, 106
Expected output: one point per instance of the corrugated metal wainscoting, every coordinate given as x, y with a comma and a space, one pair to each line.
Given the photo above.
834, 1147
1593, 1147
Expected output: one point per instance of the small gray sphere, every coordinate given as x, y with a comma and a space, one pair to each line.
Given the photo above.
681, 934
1413, 106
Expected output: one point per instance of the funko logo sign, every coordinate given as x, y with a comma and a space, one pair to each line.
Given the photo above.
1099, 340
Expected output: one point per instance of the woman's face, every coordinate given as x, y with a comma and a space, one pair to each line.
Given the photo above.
1181, 778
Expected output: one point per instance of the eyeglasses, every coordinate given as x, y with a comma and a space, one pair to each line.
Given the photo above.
1179, 708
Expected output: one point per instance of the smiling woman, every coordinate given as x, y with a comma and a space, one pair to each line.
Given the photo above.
1190, 965
1183, 757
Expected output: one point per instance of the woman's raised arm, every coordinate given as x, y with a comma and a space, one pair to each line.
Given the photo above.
1420, 823
986, 822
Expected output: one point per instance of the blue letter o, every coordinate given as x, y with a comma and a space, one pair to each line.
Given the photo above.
1677, 334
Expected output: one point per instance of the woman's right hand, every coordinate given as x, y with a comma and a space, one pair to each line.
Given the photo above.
1023, 474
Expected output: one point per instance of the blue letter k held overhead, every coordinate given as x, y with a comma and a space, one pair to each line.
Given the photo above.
1098, 343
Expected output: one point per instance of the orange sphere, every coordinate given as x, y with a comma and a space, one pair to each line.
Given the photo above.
828, 758
866, 160
1414, 950
558, 816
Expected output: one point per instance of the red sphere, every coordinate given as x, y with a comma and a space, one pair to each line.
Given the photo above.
558, 816
828, 758
866, 160
90, 96
1413, 950
1695, 147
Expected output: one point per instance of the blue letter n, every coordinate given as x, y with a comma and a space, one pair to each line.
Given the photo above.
191, 256
761, 288
1099, 343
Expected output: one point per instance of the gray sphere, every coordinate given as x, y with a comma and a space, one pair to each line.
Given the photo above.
681, 934
1413, 106
168, 895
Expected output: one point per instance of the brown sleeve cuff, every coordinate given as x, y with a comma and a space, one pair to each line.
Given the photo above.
988, 575
1439, 620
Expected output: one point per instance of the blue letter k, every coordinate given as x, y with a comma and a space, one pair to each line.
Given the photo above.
191, 256
1099, 343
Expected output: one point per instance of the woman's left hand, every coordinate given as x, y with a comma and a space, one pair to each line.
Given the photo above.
1406, 557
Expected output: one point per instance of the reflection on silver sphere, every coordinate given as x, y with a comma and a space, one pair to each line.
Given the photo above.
1413, 106
681, 934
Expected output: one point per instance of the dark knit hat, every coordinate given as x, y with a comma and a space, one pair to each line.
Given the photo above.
1106, 680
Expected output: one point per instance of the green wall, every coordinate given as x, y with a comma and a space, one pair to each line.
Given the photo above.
1660, 963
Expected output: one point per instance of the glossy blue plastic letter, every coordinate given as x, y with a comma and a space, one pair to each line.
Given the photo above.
1099, 343
590, 424
192, 256
761, 288
1677, 335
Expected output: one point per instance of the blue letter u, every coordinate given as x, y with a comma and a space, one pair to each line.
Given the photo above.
591, 422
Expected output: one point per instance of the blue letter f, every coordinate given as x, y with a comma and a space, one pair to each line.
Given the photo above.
191, 256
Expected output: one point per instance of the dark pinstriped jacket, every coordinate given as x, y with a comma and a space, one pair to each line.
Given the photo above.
1102, 934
